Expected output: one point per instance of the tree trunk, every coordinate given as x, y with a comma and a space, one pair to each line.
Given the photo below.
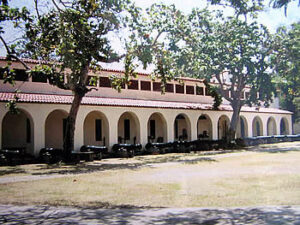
79, 92
70, 126
234, 121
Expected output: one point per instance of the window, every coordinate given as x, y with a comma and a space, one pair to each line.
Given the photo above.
91, 81
242, 95
152, 128
98, 129
190, 90
28, 131
227, 93
146, 85
64, 128
21, 75
170, 88
176, 128
207, 92
247, 94
105, 82
133, 85
127, 129
2, 70
156, 86
199, 90
180, 88
39, 77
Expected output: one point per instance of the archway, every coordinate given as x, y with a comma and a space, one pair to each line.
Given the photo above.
271, 127
157, 128
257, 128
129, 128
223, 126
242, 128
204, 127
17, 131
55, 129
96, 129
284, 126
182, 128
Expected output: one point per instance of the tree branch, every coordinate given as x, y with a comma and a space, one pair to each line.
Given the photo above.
10, 54
223, 93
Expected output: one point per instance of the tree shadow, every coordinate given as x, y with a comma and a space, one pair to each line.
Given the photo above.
83, 168
98, 166
11, 170
276, 148
176, 158
71, 215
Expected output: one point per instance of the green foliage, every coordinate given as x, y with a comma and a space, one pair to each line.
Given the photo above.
213, 91
229, 50
286, 65
276, 4
152, 40
241, 7
75, 37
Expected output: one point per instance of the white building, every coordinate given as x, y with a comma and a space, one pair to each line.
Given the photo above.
139, 114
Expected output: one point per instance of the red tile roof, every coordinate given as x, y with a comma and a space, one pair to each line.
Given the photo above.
67, 99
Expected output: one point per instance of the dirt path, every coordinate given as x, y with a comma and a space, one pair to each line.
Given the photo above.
10, 214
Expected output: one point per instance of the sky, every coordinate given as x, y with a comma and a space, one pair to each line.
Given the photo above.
272, 18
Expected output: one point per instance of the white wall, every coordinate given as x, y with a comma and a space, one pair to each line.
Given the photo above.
39, 113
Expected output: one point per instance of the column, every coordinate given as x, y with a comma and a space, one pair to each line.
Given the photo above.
3, 112
79, 132
143, 130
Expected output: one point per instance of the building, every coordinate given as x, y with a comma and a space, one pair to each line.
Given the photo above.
139, 114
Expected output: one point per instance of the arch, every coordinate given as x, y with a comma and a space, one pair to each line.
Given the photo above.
284, 126
242, 128
129, 128
55, 128
157, 128
271, 126
182, 127
223, 126
204, 127
96, 129
18, 131
257, 127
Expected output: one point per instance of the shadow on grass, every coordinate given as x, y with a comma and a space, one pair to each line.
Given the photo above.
11, 170
280, 148
84, 168
71, 215
97, 166
176, 158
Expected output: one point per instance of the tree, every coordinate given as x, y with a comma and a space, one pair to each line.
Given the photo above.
206, 45
277, 4
17, 17
241, 7
231, 51
286, 65
73, 38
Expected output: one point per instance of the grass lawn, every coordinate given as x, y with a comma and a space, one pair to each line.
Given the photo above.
245, 178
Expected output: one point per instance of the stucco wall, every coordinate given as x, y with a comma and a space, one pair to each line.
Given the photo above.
40, 112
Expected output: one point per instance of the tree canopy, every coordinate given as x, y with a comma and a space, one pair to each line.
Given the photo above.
230, 50
286, 66
73, 38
